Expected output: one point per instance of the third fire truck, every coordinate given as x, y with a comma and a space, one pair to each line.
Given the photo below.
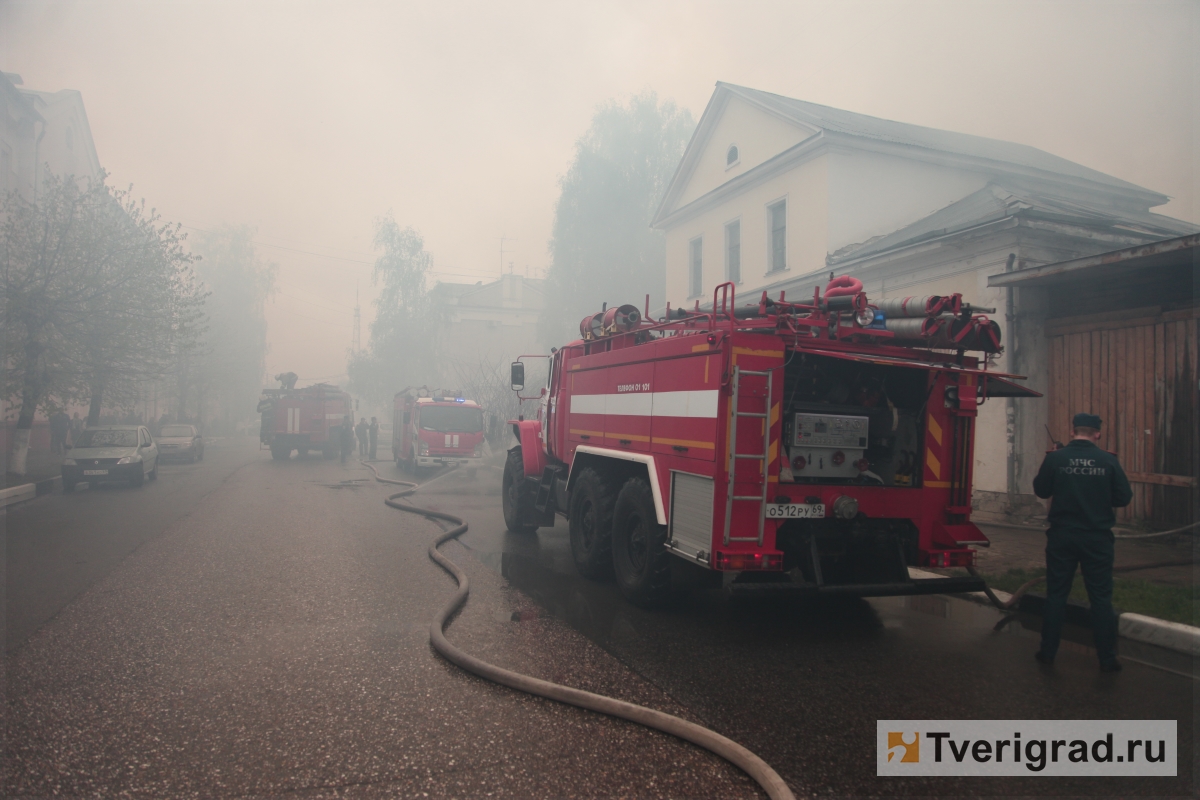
819, 446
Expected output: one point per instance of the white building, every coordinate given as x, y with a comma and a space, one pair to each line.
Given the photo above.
774, 193
41, 130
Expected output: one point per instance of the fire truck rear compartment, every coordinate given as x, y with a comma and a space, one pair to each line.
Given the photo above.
822, 395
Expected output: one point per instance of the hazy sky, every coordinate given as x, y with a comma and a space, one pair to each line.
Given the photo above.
308, 119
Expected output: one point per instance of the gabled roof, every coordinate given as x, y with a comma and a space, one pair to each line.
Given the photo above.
848, 127
1002, 199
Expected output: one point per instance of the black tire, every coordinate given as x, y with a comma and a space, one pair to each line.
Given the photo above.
192, 458
639, 554
279, 453
154, 472
201, 456
590, 524
68, 487
515, 499
139, 477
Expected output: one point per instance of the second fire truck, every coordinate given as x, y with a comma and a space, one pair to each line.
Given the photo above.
819, 446
431, 430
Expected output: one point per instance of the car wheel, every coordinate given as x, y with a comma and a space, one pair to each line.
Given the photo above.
515, 499
154, 472
640, 558
139, 477
590, 525
68, 487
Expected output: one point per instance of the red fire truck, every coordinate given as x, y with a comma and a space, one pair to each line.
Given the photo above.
818, 446
303, 419
435, 429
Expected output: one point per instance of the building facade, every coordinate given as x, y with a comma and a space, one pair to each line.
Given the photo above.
774, 194
483, 327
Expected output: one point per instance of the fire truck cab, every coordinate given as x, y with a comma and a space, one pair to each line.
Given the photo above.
432, 430
823, 446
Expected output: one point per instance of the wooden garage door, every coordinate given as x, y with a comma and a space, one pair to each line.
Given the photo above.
1137, 369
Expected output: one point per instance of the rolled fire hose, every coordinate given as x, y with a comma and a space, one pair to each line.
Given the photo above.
726, 748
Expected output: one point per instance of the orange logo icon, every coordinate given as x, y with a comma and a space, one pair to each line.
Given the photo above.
908, 750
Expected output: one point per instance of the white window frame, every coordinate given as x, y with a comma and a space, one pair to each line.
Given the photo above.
731, 164
695, 282
770, 235
741, 262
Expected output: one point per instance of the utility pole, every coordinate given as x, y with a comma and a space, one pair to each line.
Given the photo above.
504, 239
356, 342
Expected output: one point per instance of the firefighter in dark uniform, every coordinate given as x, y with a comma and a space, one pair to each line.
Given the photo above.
1085, 484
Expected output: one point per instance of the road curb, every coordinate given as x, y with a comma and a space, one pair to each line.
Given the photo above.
17, 494
1136, 627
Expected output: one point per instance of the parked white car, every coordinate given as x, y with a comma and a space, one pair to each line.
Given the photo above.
111, 453
180, 441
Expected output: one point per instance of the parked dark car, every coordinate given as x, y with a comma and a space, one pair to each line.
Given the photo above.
111, 453
181, 441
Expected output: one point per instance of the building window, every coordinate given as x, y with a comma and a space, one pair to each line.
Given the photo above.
695, 267
777, 242
733, 251
731, 155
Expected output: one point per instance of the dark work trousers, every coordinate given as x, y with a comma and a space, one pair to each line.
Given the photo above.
1092, 551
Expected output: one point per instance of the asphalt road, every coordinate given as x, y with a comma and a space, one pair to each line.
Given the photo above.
59, 545
271, 639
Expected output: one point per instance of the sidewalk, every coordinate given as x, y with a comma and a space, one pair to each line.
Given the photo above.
1026, 549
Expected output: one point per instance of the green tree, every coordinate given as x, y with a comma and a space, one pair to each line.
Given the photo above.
221, 377
93, 287
402, 347
152, 310
602, 247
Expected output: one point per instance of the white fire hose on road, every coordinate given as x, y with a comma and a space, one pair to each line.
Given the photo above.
726, 748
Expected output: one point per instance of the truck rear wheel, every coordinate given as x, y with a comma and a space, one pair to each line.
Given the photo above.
639, 554
516, 499
590, 524
279, 453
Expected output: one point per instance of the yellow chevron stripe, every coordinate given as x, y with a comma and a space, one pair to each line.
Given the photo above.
935, 430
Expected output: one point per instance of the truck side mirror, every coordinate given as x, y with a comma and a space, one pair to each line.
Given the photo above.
518, 376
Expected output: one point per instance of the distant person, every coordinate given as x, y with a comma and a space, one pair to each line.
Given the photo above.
361, 431
373, 437
347, 437
76, 427
60, 425
1085, 484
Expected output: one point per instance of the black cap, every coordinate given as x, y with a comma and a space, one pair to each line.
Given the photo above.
1086, 421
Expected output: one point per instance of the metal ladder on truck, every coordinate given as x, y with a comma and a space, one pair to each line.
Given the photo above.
762, 458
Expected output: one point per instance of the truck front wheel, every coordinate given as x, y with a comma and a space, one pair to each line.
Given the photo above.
280, 453
590, 525
639, 555
516, 499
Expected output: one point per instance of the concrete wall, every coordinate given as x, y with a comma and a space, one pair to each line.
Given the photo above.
804, 187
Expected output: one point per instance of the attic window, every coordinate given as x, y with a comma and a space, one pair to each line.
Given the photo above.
731, 155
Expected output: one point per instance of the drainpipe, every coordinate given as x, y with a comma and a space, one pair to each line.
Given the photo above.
1010, 407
